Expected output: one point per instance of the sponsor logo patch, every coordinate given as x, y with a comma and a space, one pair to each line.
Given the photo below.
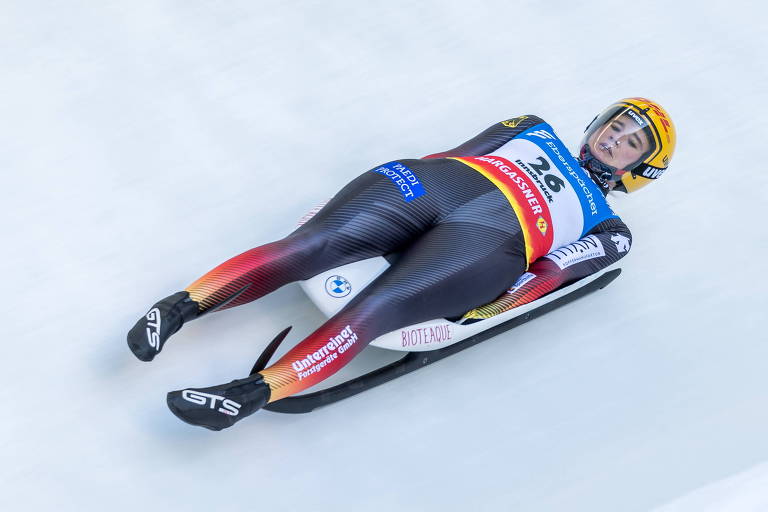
512, 123
622, 243
521, 281
409, 185
425, 335
542, 134
337, 286
652, 172
153, 328
585, 249
228, 407
319, 359
519, 180
665, 124
542, 225
639, 120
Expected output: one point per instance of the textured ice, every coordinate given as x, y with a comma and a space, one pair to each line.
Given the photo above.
142, 143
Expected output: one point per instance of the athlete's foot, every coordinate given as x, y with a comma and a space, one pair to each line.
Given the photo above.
150, 333
219, 407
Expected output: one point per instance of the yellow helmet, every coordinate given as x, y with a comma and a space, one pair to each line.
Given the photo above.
629, 144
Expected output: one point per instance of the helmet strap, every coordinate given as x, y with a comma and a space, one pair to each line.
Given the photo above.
599, 172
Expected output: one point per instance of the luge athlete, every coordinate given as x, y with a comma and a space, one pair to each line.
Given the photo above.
459, 228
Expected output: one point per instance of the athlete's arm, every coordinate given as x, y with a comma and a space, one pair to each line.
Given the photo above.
492, 138
606, 244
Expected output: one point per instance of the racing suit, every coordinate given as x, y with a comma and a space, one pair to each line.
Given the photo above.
496, 222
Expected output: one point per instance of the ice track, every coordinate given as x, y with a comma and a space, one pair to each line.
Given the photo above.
141, 143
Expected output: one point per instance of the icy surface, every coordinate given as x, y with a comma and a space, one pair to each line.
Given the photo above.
142, 143
742, 492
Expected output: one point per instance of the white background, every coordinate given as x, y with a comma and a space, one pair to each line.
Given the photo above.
142, 143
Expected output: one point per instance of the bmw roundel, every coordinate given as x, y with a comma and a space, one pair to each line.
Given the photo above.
337, 286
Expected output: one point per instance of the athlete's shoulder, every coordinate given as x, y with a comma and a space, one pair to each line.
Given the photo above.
612, 224
491, 138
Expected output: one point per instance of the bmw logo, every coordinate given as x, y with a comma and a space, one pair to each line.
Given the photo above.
337, 286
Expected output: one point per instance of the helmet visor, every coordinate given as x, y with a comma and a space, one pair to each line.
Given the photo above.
620, 138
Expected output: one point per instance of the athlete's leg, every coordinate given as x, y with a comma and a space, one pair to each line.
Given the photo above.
467, 260
366, 218
369, 217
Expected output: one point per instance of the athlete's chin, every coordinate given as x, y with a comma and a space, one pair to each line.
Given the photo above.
605, 159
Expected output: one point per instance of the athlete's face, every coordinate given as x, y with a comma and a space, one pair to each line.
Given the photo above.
619, 143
